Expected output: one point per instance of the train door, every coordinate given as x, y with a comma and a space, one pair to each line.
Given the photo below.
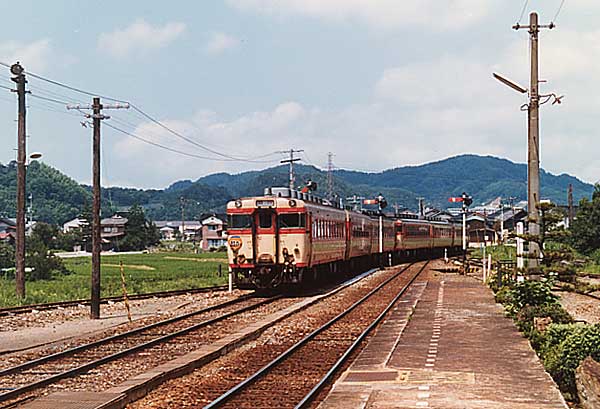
265, 236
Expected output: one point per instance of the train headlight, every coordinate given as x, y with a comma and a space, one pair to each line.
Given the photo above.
238, 203
292, 203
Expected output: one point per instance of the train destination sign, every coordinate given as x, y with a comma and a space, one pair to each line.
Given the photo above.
265, 203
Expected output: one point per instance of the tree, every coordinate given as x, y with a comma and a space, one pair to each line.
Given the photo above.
553, 243
42, 263
586, 226
46, 233
139, 232
7, 255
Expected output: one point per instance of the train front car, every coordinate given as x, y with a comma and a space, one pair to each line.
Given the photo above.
268, 238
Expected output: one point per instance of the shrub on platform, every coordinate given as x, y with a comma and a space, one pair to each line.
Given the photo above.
527, 293
564, 347
526, 316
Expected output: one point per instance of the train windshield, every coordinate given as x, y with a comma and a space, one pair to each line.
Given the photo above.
291, 220
239, 221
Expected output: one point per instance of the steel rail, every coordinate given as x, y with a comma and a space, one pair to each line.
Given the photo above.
85, 367
22, 309
264, 370
342, 360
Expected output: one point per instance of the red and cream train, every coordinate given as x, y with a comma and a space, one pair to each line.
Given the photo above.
287, 237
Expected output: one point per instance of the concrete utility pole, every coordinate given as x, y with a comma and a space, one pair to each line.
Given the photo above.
291, 161
19, 78
533, 142
97, 117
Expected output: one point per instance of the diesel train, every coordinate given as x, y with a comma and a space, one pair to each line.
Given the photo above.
289, 237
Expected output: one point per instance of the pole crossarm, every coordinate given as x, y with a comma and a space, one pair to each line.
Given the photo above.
291, 161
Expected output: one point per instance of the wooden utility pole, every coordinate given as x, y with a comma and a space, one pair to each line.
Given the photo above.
19, 78
533, 141
97, 117
291, 161
96, 236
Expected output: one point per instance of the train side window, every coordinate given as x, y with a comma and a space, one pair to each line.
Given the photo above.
265, 220
239, 221
292, 220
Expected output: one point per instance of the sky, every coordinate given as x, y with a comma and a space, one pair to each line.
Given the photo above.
230, 83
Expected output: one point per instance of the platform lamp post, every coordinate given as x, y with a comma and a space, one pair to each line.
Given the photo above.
32, 156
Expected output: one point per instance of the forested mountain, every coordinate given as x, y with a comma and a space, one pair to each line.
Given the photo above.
57, 198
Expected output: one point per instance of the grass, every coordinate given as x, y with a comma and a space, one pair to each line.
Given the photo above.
497, 252
143, 273
591, 269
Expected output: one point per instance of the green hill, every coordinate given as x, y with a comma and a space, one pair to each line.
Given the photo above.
57, 198
483, 177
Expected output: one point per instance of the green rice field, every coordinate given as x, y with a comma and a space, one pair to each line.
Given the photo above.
144, 273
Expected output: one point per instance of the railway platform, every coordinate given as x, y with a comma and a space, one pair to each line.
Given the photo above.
456, 350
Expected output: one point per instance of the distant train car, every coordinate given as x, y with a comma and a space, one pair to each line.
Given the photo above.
287, 237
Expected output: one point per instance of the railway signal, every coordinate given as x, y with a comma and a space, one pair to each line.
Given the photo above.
381, 202
466, 202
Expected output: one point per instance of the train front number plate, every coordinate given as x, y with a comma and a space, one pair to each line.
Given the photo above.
235, 243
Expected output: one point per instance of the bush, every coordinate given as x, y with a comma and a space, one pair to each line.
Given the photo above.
564, 348
43, 264
7, 255
527, 314
532, 293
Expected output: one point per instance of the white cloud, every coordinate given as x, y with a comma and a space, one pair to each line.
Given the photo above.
448, 81
34, 56
139, 37
220, 42
434, 14
248, 136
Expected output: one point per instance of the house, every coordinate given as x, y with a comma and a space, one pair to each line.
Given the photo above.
214, 234
112, 229
480, 230
168, 233
76, 224
170, 229
8, 229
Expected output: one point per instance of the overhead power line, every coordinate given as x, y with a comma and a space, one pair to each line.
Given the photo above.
185, 138
56, 101
53, 97
158, 145
69, 87
522, 11
558, 11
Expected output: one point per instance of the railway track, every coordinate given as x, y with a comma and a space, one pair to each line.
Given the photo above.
296, 376
17, 381
152, 345
23, 309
